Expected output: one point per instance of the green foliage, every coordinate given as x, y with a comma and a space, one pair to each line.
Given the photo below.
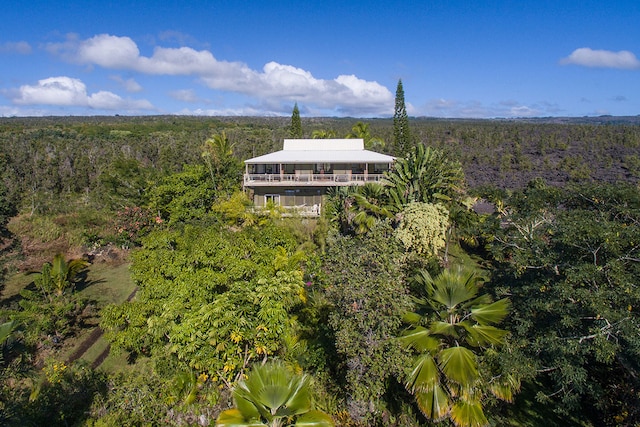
356, 210
7, 205
566, 258
53, 165
214, 299
425, 175
47, 320
423, 227
41, 228
367, 295
402, 138
224, 167
569, 260
323, 134
145, 398
183, 196
59, 276
123, 183
271, 396
449, 335
295, 129
62, 396
235, 210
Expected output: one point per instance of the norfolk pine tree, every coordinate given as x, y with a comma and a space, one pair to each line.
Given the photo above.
401, 134
296, 125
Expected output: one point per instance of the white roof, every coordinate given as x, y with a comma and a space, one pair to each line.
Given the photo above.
322, 151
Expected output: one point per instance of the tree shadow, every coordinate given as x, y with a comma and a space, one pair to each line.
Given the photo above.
82, 281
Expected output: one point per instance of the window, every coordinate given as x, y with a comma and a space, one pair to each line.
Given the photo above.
273, 198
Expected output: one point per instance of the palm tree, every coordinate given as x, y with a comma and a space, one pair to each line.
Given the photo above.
356, 209
361, 130
370, 205
224, 168
454, 326
217, 151
273, 396
323, 134
425, 175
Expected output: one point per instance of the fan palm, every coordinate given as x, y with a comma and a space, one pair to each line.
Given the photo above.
273, 396
456, 323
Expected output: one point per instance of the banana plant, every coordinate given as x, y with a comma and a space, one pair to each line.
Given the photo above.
59, 275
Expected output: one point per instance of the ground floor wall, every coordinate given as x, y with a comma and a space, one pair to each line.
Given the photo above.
288, 197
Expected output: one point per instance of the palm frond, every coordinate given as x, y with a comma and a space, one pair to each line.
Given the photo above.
468, 414
458, 364
493, 313
434, 404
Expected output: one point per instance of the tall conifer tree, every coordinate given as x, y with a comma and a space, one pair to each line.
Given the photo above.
296, 125
401, 132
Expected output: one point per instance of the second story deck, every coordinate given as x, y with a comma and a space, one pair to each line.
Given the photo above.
310, 179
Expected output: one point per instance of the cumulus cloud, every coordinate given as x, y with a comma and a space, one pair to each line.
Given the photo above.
67, 91
346, 94
22, 47
53, 91
588, 57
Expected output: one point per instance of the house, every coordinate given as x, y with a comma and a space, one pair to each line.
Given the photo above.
299, 175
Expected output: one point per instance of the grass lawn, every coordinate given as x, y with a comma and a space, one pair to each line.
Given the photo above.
108, 284
13, 285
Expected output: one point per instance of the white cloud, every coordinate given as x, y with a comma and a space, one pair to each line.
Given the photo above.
476, 109
22, 47
130, 85
186, 95
588, 57
67, 91
108, 51
53, 91
110, 101
346, 94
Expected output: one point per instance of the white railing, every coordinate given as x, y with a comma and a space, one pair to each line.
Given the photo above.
300, 210
330, 179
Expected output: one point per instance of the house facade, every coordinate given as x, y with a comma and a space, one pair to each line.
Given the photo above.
298, 176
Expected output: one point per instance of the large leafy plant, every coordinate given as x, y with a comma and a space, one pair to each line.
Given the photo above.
448, 336
274, 396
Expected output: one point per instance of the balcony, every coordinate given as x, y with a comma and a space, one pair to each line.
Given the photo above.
308, 179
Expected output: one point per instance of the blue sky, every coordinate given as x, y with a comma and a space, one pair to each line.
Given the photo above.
475, 59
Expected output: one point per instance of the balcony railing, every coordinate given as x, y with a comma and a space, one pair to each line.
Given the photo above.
308, 179
299, 210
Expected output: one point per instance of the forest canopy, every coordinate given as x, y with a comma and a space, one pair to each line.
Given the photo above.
402, 304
